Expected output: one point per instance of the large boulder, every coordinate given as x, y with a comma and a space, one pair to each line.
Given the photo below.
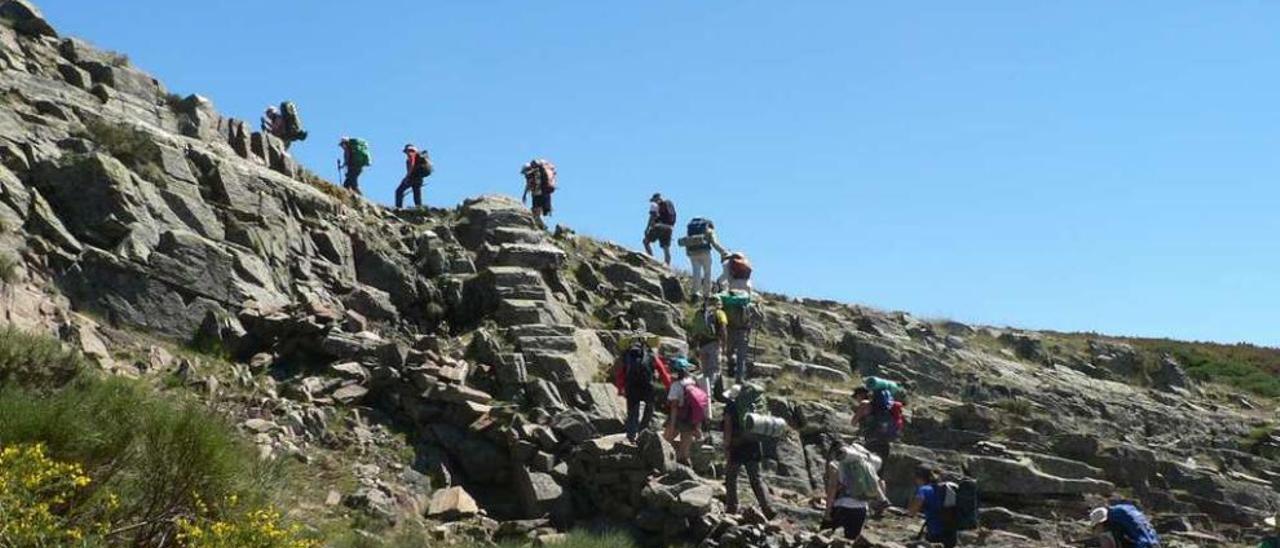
26, 18
541, 496
1000, 476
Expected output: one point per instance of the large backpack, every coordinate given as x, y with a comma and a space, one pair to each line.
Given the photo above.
858, 478
667, 212
1131, 527
703, 326
422, 166
959, 504
739, 267
548, 173
359, 153
640, 367
696, 403
696, 235
737, 306
292, 123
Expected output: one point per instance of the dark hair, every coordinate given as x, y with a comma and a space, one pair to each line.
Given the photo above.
861, 391
927, 474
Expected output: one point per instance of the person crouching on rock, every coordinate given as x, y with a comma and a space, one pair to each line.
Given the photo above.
633, 376
687, 408
741, 449
930, 499
1122, 525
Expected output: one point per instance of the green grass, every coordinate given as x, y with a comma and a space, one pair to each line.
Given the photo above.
134, 147
1255, 369
1016, 407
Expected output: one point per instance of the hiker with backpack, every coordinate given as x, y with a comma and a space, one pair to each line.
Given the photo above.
661, 225
687, 409
272, 122
736, 272
284, 123
355, 157
852, 485
879, 416
1123, 525
417, 166
739, 314
742, 448
931, 499
633, 375
539, 182
699, 240
708, 329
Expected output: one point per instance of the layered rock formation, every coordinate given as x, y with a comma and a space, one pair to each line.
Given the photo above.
486, 341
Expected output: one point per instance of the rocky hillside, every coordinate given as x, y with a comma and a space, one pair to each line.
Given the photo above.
452, 363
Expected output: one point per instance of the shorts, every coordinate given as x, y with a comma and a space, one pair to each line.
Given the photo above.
542, 202
685, 427
660, 234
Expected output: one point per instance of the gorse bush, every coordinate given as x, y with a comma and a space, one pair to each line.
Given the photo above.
8, 268
134, 147
142, 467
34, 361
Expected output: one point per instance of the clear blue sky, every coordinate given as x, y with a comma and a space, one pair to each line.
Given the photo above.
1107, 166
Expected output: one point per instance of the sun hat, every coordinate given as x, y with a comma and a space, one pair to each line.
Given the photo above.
1097, 516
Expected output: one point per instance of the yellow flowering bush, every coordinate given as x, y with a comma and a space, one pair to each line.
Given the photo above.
251, 528
35, 492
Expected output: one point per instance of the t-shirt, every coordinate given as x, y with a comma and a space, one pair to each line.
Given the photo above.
933, 496
676, 392
844, 500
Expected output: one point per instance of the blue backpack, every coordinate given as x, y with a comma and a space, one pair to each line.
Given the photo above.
1130, 527
883, 424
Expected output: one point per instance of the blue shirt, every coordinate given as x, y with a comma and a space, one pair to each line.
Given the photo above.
932, 508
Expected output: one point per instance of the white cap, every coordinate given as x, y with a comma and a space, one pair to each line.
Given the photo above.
1272, 521
1097, 515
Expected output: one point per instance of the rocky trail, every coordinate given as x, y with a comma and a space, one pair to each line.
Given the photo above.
452, 364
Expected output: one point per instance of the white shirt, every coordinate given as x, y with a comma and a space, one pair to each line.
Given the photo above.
676, 393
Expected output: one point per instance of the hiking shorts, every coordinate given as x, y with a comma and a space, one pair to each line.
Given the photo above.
542, 202
659, 233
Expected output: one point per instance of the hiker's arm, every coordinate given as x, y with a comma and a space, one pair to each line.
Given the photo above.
832, 484
728, 439
715, 243
663, 374
1107, 541
916, 504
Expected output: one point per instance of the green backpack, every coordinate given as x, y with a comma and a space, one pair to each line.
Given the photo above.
737, 306
360, 152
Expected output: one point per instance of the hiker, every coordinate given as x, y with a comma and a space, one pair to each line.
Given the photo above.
662, 222
736, 272
742, 450
740, 315
1272, 540
1122, 525
699, 240
417, 167
355, 157
708, 329
633, 376
879, 416
284, 123
272, 122
687, 409
930, 499
852, 485
539, 182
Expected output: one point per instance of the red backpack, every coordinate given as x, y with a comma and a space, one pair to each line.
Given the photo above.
548, 175
739, 267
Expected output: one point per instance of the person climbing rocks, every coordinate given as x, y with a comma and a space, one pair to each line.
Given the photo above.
879, 415
355, 157
740, 313
633, 375
742, 450
662, 222
930, 500
417, 167
687, 409
271, 122
735, 272
708, 329
1123, 525
284, 123
539, 182
1272, 540
853, 484
699, 240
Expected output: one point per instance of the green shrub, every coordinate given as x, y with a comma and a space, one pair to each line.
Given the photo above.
134, 147
117, 59
34, 361
1016, 407
153, 460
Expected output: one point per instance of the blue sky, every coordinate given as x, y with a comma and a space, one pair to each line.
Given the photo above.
1076, 166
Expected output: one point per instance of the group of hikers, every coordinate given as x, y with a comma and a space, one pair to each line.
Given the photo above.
719, 332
